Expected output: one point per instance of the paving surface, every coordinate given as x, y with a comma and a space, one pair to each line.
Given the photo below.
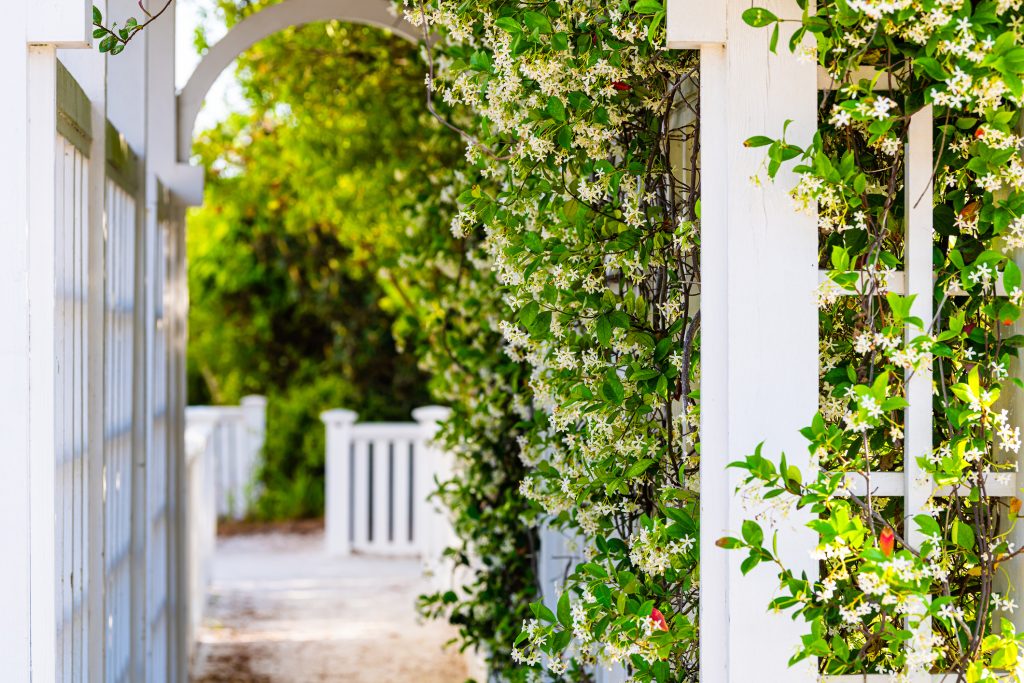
281, 611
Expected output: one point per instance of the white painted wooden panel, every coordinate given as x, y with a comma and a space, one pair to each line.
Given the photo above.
119, 385
70, 407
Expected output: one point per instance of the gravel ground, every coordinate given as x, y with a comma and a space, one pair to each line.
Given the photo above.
281, 611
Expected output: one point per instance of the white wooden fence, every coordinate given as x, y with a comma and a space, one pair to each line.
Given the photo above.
379, 476
236, 435
223, 445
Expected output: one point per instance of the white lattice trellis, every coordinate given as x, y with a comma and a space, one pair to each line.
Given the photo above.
752, 240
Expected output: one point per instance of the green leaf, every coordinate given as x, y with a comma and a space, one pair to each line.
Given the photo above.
509, 24
612, 389
533, 242
648, 7
604, 331
556, 109
537, 22
97, 16
759, 17
963, 534
543, 612
758, 141
564, 610
639, 467
752, 533
1011, 276
932, 68
729, 543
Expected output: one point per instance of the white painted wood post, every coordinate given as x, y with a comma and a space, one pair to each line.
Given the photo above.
16, 484
337, 501
758, 273
433, 526
43, 379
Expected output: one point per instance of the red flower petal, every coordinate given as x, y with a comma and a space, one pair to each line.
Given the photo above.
887, 541
659, 620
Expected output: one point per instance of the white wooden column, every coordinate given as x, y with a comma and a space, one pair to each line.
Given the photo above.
42, 74
433, 528
14, 485
338, 503
759, 323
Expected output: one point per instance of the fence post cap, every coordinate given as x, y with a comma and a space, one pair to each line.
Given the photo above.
427, 414
254, 400
339, 416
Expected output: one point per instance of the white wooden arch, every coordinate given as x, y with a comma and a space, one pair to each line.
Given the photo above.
263, 24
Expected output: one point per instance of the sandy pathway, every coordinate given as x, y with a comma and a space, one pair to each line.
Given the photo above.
280, 611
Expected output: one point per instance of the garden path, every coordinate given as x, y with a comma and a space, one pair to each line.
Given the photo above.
279, 610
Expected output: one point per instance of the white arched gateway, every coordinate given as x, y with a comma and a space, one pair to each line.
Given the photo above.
94, 181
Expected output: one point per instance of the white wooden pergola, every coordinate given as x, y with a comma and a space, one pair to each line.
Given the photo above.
94, 178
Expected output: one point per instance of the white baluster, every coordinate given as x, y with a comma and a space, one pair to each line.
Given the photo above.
381, 497
401, 496
361, 495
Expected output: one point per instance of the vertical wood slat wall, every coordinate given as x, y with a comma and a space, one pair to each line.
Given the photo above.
71, 493
122, 189
133, 582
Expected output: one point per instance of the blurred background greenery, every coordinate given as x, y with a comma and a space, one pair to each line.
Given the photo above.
303, 218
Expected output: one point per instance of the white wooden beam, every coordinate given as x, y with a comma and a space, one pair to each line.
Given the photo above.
63, 23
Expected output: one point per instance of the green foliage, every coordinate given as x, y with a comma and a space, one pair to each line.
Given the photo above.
114, 38
578, 223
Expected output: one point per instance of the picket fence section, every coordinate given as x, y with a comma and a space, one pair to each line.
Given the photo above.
222, 450
379, 477
236, 435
